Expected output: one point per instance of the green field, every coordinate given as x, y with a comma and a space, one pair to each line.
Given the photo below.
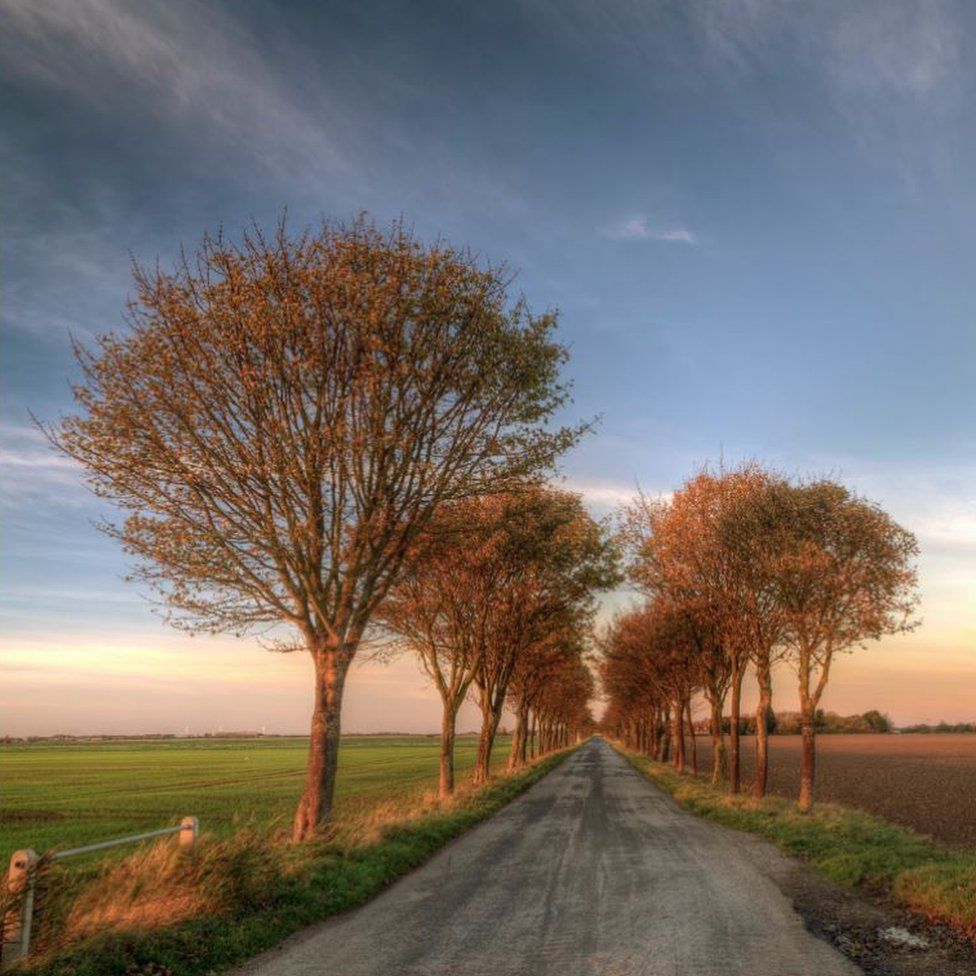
59, 794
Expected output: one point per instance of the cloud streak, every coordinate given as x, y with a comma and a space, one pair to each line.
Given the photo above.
639, 228
196, 66
32, 473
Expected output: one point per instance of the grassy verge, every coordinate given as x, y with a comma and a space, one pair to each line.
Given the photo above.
244, 894
849, 847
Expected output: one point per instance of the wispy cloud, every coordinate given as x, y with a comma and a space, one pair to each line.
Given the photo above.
893, 47
601, 494
893, 72
640, 228
31, 472
192, 64
607, 496
901, 49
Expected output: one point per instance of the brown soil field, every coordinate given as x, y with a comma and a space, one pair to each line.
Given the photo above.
926, 782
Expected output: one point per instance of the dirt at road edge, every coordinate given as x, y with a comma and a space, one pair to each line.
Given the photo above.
856, 926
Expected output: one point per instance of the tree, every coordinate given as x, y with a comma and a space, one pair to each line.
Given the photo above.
283, 416
563, 704
650, 670
678, 553
553, 558
431, 611
754, 615
844, 574
716, 676
546, 670
876, 722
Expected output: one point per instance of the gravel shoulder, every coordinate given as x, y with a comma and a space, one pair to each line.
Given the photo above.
881, 939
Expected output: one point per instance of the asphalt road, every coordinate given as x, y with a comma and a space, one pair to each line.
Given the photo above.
592, 871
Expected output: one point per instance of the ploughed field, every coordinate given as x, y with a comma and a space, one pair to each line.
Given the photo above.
65, 794
926, 782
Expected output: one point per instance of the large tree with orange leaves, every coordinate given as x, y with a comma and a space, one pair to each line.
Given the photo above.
841, 572
282, 417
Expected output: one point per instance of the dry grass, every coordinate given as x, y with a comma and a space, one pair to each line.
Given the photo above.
160, 884
370, 824
156, 886
942, 893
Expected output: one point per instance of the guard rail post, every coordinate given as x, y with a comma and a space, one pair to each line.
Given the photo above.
19, 915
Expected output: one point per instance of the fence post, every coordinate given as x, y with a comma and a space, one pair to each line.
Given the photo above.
189, 828
19, 915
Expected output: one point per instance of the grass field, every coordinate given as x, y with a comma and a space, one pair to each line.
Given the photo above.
151, 909
56, 794
925, 782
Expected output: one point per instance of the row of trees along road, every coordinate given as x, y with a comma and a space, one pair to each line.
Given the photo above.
287, 419
741, 570
496, 596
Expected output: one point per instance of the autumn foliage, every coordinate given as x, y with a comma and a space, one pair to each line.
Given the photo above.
740, 570
283, 416
496, 601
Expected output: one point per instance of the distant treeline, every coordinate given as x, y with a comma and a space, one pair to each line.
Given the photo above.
789, 723
958, 727
873, 721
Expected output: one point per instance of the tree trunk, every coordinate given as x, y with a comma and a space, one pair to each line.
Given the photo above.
694, 741
808, 768
524, 745
678, 723
315, 806
765, 679
445, 786
486, 740
516, 757
735, 706
718, 743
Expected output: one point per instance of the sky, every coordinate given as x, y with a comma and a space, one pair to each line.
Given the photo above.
756, 217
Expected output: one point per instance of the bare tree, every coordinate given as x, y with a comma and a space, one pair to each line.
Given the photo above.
281, 418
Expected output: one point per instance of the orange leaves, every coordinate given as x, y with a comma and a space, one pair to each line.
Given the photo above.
747, 566
290, 409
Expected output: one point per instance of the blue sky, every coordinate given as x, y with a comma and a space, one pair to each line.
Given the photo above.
756, 217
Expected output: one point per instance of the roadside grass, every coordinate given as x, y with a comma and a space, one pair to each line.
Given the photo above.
849, 847
159, 913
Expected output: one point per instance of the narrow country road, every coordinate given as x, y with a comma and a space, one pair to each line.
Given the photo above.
592, 871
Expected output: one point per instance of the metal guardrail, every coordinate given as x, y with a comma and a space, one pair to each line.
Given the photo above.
22, 881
